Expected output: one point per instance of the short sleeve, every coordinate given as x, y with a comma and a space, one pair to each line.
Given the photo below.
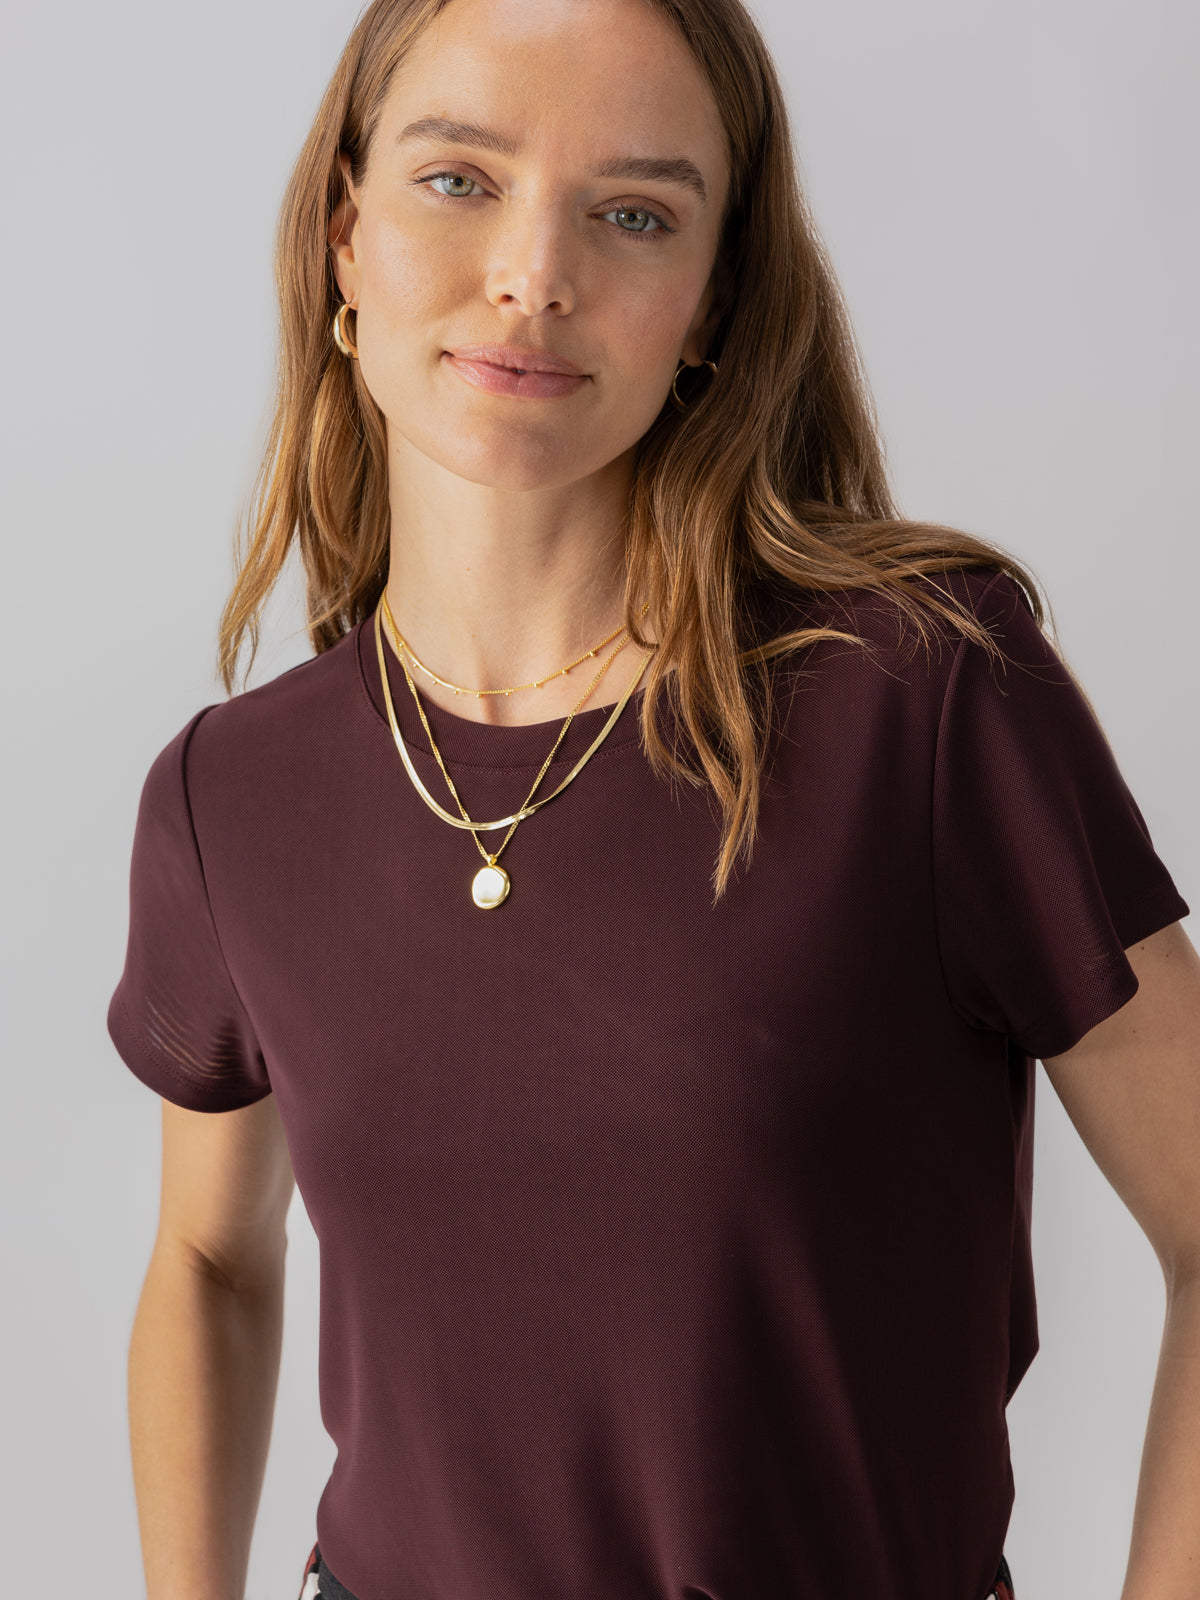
1044, 871
175, 1017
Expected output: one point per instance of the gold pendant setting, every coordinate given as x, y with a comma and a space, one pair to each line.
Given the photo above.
490, 886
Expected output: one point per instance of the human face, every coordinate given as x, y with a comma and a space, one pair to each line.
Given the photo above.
508, 232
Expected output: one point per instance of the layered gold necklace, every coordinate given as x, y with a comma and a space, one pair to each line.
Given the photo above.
491, 884
481, 694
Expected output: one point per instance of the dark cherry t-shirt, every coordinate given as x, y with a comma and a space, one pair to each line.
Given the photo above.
668, 1251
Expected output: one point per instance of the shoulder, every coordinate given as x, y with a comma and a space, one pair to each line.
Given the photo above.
271, 725
988, 595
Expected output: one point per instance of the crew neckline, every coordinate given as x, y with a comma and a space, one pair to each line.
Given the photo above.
484, 744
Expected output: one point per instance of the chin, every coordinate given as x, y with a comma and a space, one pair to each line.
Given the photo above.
513, 462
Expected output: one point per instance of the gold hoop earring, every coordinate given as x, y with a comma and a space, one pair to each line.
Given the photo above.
675, 392
339, 332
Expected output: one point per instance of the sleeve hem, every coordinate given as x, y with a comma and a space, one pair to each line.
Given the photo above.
160, 1073
1105, 990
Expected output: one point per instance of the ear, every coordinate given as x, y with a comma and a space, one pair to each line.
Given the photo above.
343, 235
709, 312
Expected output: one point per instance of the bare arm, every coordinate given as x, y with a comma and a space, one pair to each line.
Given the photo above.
1132, 1088
204, 1353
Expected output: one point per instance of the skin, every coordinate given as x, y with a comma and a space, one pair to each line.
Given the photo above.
1131, 1086
504, 557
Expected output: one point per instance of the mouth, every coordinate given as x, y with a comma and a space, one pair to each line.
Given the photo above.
515, 359
516, 374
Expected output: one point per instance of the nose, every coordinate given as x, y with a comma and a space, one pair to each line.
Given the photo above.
531, 266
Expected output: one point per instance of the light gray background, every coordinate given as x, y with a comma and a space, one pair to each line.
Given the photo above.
1008, 195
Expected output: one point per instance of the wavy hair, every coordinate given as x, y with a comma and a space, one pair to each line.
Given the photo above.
775, 471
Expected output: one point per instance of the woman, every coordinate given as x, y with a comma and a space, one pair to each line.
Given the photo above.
636, 949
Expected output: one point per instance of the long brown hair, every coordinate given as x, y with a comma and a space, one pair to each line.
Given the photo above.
774, 471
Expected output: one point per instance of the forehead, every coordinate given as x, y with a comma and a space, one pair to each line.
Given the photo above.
569, 74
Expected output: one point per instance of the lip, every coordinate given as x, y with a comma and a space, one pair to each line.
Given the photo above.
544, 382
513, 357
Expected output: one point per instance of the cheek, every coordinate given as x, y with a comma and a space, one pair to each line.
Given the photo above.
409, 291
407, 279
647, 321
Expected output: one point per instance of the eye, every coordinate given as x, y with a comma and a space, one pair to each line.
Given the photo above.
634, 222
641, 220
454, 177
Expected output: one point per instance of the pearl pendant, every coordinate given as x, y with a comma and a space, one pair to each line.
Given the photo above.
490, 886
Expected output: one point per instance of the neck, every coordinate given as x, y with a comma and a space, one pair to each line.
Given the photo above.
496, 587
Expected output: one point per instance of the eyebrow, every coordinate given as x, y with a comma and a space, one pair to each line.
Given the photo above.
662, 169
